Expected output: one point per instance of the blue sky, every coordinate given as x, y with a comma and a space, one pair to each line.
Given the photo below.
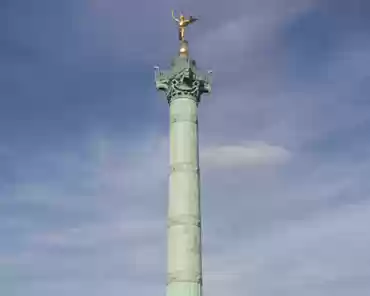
284, 146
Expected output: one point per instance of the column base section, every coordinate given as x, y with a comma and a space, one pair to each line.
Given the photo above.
184, 289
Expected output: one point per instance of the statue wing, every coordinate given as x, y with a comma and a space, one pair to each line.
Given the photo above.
173, 16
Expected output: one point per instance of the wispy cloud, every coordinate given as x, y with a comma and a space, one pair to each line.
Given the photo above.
244, 155
303, 257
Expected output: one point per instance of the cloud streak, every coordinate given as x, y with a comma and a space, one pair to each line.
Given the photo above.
248, 154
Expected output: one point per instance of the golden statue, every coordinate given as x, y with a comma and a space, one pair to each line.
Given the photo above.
183, 23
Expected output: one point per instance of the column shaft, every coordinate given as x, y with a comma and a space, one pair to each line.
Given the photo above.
184, 263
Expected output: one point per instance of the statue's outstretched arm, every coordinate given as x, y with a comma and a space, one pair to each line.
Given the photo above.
173, 16
190, 21
193, 19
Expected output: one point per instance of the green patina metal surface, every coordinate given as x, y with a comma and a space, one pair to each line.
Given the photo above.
183, 86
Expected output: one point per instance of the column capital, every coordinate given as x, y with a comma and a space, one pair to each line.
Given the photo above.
183, 80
